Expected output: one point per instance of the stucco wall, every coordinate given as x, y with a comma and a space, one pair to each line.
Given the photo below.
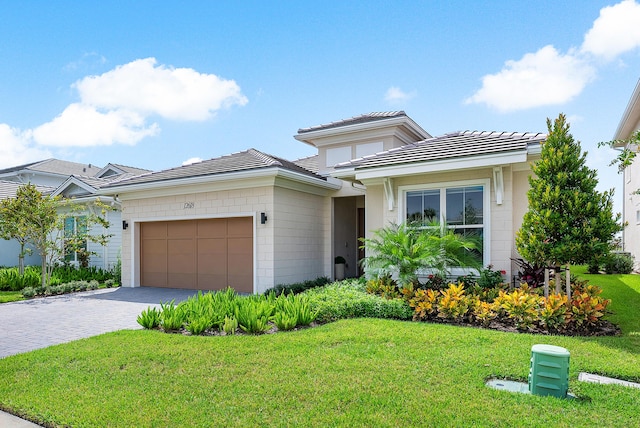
223, 203
301, 235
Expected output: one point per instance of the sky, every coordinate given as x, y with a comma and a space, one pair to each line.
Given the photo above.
156, 84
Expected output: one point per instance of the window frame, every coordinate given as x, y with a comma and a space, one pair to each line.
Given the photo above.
443, 186
72, 257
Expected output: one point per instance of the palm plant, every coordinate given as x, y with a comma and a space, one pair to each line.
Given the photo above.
401, 250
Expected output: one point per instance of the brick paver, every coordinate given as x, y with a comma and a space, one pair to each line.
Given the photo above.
42, 322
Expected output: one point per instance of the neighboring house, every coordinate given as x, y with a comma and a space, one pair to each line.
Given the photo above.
74, 180
251, 221
629, 124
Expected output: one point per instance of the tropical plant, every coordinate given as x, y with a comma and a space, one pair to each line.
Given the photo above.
401, 250
149, 318
172, 317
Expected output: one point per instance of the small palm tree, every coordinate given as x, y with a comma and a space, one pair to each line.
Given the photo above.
403, 249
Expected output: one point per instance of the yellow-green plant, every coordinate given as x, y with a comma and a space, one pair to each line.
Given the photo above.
484, 312
422, 301
519, 305
149, 318
453, 303
554, 311
230, 325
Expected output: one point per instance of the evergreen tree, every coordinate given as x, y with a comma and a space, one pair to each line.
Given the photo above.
568, 221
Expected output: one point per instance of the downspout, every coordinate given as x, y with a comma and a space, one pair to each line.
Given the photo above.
388, 192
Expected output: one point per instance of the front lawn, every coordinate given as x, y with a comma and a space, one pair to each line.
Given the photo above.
10, 296
360, 372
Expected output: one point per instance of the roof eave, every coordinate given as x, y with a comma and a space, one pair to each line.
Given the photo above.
307, 137
435, 166
630, 117
228, 176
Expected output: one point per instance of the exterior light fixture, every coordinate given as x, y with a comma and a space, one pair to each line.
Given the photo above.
263, 218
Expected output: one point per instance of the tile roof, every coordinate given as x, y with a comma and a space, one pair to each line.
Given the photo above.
62, 167
8, 189
449, 146
363, 118
309, 163
241, 161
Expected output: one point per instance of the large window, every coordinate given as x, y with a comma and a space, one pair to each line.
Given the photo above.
74, 226
461, 207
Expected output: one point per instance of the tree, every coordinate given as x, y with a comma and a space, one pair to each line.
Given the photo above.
403, 249
13, 225
40, 222
628, 153
568, 220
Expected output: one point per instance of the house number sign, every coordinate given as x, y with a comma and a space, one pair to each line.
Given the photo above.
188, 205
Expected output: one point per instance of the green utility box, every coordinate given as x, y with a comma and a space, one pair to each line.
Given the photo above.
549, 371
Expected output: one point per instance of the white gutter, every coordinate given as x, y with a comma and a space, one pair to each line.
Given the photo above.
442, 165
623, 132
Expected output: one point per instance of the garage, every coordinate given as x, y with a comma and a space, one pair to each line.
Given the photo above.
202, 254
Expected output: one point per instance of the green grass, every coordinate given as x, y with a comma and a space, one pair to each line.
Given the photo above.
10, 296
360, 372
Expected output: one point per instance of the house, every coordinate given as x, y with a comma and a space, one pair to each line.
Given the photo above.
251, 220
81, 182
628, 126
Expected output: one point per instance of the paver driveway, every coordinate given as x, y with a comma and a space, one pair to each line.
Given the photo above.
42, 322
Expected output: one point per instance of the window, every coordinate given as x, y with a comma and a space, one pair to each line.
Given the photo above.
463, 207
73, 226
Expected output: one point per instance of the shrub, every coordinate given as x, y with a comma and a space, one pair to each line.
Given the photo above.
171, 316
453, 303
230, 325
28, 292
618, 263
348, 299
490, 278
520, 306
423, 302
298, 287
483, 312
554, 312
586, 310
149, 318
383, 286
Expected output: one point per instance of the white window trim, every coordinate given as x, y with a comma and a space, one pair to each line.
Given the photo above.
486, 219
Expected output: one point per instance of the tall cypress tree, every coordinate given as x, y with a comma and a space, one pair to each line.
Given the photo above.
568, 221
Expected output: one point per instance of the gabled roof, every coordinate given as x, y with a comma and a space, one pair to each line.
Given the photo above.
363, 118
8, 189
112, 169
89, 185
53, 166
236, 162
449, 146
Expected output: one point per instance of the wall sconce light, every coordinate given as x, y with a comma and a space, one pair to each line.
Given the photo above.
124, 224
263, 218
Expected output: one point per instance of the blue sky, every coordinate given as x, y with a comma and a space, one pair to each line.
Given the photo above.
154, 84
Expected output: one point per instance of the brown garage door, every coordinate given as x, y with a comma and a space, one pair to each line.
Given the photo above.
205, 254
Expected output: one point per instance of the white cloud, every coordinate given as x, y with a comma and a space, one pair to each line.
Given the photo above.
173, 93
16, 148
191, 160
396, 95
615, 31
82, 125
545, 77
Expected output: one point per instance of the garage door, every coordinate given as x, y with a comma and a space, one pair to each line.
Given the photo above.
205, 254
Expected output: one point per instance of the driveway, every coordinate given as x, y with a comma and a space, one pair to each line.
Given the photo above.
42, 322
